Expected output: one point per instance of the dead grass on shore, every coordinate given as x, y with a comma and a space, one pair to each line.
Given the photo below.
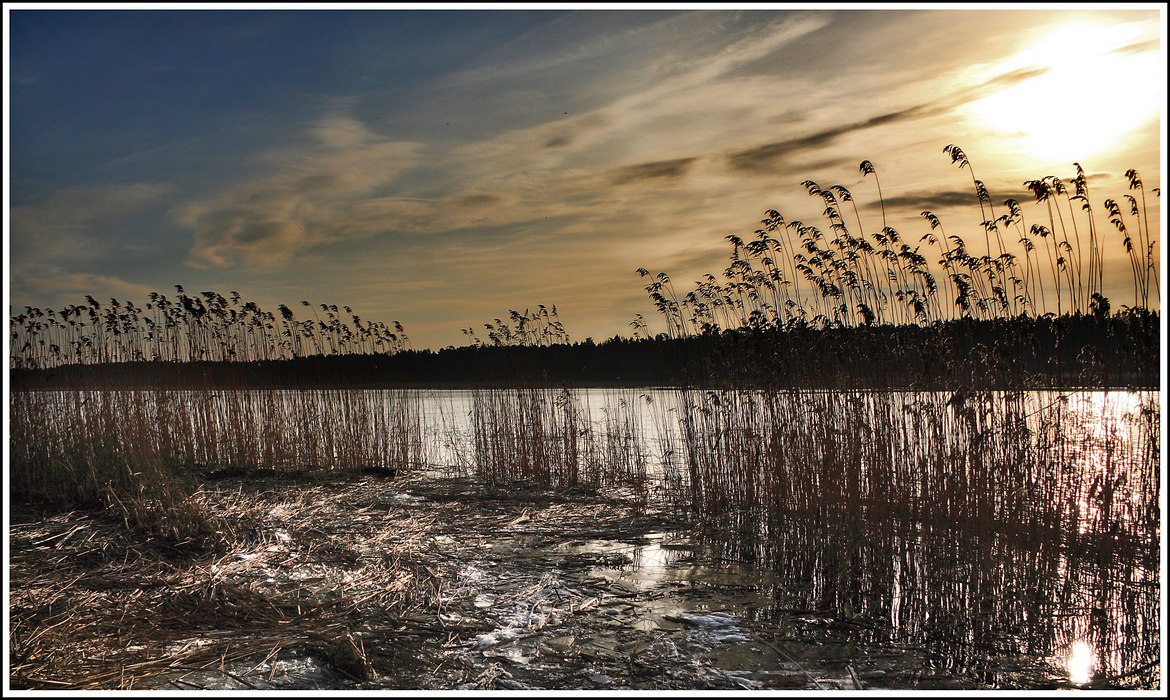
95, 605
348, 576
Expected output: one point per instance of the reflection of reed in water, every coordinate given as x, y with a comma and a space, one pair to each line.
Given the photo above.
982, 527
978, 607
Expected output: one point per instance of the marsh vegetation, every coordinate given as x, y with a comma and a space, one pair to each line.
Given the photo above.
878, 463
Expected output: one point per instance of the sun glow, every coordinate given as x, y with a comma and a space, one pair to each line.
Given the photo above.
1093, 86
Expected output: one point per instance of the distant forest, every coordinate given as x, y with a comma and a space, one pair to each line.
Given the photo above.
1082, 350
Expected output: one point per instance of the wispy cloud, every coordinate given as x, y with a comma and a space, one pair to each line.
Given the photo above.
672, 104
765, 156
658, 169
78, 223
653, 134
56, 284
301, 200
943, 199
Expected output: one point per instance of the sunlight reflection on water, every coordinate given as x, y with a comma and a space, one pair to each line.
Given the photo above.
1080, 663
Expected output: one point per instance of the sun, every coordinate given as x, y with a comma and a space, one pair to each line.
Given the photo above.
1091, 89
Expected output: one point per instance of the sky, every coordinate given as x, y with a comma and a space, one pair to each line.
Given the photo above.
442, 166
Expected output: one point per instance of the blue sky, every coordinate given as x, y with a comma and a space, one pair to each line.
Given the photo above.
440, 167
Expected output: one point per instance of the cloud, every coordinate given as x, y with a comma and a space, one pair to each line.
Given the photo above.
662, 106
617, 37
768, 156
476, 201
1006, 80
765, 157
933, 201
557, 178
79, 223
54, 286
1139, 47
301, 199
660, 169
929, 201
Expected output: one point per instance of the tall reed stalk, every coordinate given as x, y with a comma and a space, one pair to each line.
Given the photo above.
854, 275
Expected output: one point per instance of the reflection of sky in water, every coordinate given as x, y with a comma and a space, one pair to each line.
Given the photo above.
648, 565
1104, 419
651, 559
1108, 447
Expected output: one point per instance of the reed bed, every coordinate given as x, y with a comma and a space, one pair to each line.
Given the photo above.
1034, 467
621, 447
849, 272
999, 506
142, 451
1022, 505
192, 328
527, 434
99, 449
549, 437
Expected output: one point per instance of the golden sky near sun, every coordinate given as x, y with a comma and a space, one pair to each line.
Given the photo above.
1090, 91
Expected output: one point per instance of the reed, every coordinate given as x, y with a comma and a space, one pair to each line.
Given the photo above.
560, 437
996, 506
189, 328
144, 452
621, 452
1027, 466
101, 449
540, 328
59, 438
551, 437
527, 434
851, 273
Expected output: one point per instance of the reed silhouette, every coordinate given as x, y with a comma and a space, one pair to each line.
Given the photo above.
192, 328
849, 275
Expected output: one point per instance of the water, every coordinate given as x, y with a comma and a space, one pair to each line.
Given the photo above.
823, 539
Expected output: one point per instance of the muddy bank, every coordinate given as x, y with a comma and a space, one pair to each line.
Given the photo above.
436, 582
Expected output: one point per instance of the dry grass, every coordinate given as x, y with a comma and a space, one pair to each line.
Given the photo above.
139, 451
96, 606
354, 573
